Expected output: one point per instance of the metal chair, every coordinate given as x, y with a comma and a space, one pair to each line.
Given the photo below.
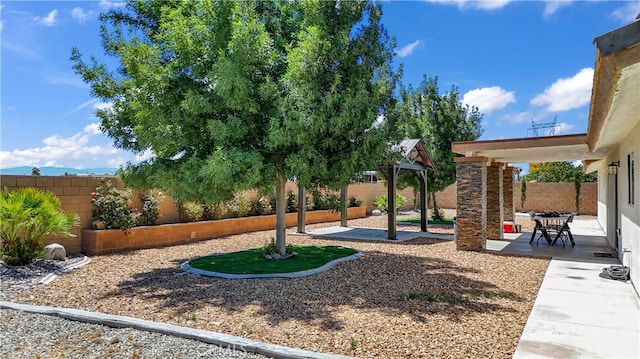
539, 227
564, 232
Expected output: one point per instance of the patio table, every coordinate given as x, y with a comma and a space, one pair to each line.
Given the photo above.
558, 223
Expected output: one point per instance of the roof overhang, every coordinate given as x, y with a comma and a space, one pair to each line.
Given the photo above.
530, 150
615, 99
414, 155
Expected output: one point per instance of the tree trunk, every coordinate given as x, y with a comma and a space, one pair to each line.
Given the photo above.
436, 212
281, 210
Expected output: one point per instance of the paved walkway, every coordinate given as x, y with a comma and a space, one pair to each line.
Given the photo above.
577, 314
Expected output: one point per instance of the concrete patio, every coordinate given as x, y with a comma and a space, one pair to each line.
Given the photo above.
577, 313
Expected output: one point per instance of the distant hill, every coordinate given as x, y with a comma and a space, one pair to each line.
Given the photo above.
59, 171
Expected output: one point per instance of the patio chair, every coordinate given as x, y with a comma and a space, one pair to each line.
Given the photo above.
539, 227
564, 232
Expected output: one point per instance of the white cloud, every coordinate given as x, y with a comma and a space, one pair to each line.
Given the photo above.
489, 99
116, 162
550, 7
50, 20
475, 4
567, 93
408, 49
107, 4
560, 129
145, 155
628, 12
80, 15
92, 128
57, 148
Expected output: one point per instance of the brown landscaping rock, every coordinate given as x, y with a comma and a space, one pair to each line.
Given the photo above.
417, 299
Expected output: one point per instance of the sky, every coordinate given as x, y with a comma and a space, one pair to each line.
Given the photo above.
517, 61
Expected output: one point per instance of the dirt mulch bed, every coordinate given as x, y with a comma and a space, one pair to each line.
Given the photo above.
421, 298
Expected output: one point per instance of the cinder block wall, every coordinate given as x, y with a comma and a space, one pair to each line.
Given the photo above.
557, 197
74, 193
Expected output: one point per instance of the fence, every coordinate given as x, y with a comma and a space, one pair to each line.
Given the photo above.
74, 193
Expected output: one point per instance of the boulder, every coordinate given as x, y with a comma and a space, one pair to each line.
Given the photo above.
55, 251
376, 212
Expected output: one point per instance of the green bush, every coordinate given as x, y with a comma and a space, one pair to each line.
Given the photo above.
382, 202
355, 202
261, 206
437, 214
292, 202
111, 205
151, 206
240, 205
27, 216
215, 211
326, 201
190, 211
319, 201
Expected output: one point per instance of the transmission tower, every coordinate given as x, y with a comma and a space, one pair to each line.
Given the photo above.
551, 126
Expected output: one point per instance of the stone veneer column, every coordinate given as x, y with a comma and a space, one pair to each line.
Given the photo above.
471, 211
508, 203
495, 229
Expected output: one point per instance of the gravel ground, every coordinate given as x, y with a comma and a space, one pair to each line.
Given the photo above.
420, 298
52, 337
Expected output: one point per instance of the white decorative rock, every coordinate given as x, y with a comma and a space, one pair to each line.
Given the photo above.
55, 251
376, 212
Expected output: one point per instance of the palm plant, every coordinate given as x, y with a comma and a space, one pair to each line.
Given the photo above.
27, 216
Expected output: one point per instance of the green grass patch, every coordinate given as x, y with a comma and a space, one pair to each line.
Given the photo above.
431, 221
252, 261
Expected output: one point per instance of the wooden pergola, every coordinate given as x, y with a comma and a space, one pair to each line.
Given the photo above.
414, 158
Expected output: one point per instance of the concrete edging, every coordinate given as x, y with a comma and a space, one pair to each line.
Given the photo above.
325, 267
51, 276
219, 339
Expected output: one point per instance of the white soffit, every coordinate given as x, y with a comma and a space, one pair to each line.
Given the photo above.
624, 113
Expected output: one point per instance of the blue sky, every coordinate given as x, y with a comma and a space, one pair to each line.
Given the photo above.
515, 60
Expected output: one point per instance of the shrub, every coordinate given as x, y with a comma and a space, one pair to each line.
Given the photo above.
292, 202
215, 211
240, 205
333, 202
382, 202
355, 202
523, 192
327, 201
437, 214
111, 205
190, 211
261, 206
27, 216
319, 201
151, 206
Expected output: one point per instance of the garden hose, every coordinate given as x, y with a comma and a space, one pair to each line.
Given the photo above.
615, 272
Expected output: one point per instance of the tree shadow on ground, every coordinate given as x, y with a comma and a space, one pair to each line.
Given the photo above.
390, 283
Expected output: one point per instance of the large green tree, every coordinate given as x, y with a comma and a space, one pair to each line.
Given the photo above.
233, 95
437, 119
